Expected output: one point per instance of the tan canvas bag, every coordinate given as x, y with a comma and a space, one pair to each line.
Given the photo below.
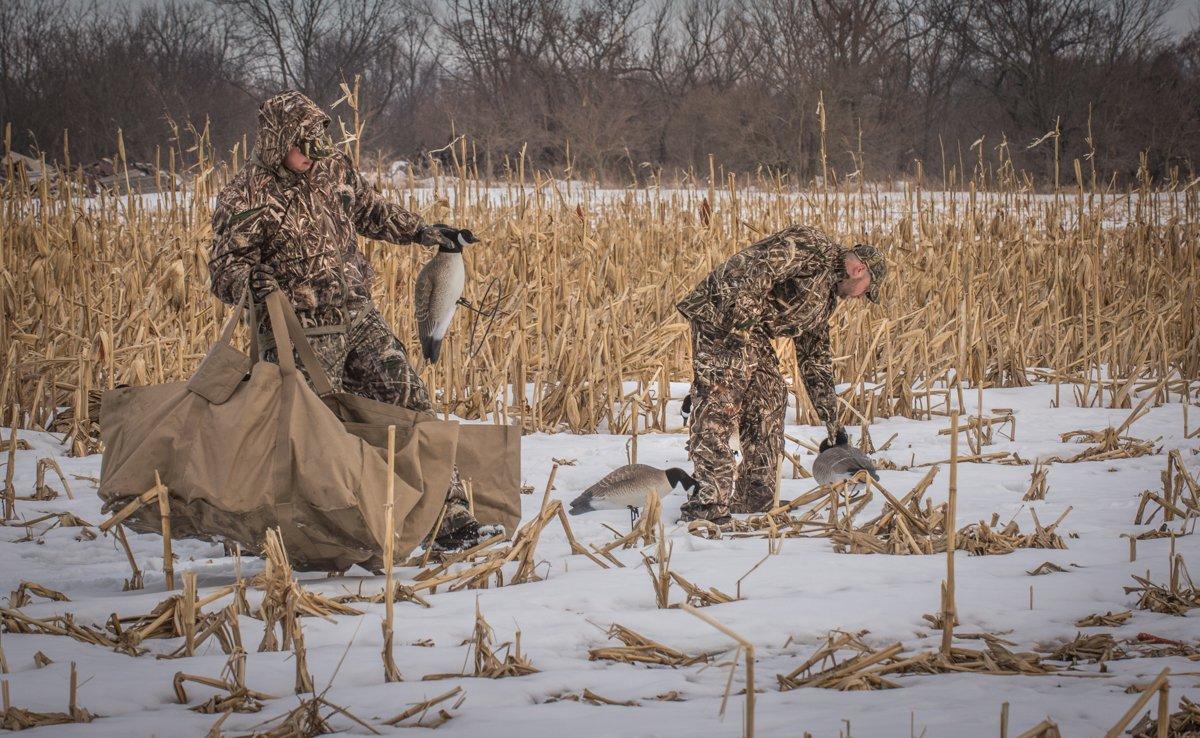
425, 450
240, 454
488, 456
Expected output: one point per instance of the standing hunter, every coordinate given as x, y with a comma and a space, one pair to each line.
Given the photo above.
288, 221
786, 285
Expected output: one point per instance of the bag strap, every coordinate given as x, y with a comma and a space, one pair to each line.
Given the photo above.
226, 336
284, 325
252, 329
245, 306
307, 355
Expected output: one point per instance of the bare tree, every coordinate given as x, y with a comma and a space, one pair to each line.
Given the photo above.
693, 54
1044, 62
95, 70
315, 45
613, 86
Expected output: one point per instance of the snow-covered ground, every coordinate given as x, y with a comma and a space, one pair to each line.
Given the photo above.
788, 605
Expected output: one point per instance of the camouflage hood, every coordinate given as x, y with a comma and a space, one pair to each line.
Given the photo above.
282, 120
305, 228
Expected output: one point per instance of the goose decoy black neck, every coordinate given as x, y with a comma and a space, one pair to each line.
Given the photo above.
680, 478
841, 440
458, 242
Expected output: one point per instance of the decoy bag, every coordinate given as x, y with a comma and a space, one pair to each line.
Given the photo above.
246, 445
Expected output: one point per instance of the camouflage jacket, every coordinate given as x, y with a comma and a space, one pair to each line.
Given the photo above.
301, 225
784, 286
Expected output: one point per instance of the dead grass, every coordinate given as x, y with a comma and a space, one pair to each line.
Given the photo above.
638, 649
1089, 649
492, 661
1107, 620
846, 662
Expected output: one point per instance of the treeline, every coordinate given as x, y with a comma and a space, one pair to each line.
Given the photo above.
614, 87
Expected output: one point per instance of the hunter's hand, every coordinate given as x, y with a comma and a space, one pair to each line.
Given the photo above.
262, 281
440, 234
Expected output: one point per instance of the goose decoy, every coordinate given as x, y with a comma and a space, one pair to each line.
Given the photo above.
840, 461
628, 487
439, 287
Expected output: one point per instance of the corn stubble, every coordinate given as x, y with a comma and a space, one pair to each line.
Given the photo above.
986, 283
845, 662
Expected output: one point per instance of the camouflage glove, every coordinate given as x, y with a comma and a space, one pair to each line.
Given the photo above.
440, 234
836, 438
262, 281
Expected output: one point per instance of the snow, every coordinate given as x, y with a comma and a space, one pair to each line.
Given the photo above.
789, 604
873, 206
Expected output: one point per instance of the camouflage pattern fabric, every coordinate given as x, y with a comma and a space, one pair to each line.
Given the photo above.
331, 350
302, 226
783, 286
368, 360
458, 513
377, 366
815, 362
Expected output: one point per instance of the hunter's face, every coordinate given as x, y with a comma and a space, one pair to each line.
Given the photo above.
857, 281
297, 161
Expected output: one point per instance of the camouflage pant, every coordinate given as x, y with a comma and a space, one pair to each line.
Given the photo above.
737, 389
370, 361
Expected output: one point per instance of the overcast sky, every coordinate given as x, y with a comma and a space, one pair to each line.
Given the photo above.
1183, 17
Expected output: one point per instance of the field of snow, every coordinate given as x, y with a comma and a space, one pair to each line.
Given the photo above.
788, 605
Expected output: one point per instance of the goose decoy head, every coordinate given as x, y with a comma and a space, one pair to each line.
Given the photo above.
454, 239
841, 440
679, 478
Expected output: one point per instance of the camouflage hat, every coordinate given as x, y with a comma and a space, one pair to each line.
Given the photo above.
873, 258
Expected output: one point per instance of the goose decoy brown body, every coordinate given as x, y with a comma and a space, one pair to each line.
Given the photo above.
628, 487
840, 461
439, 287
